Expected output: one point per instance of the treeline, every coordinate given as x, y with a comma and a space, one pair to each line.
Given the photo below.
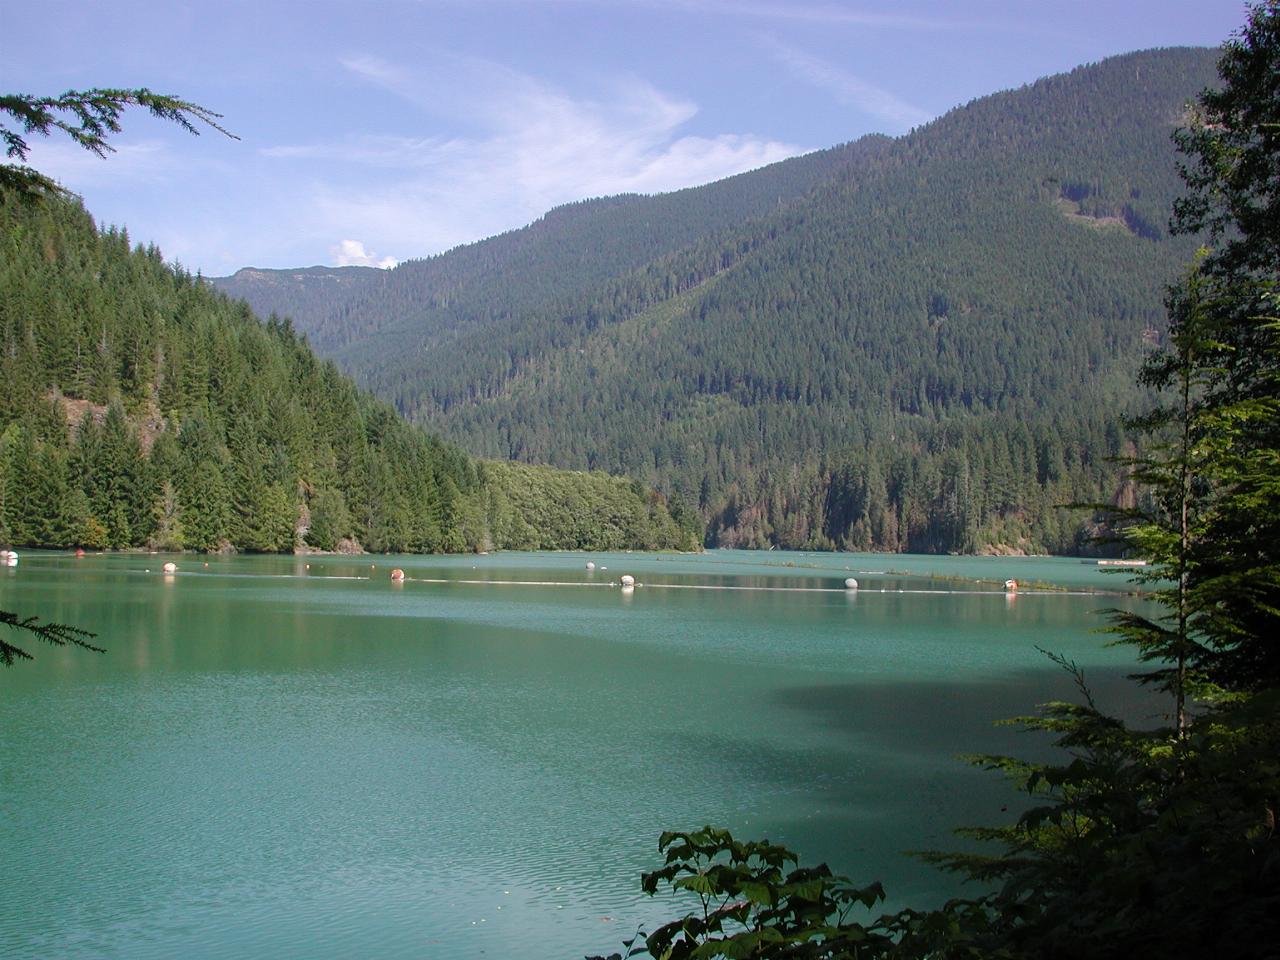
973, 486
1000, 269
142, 408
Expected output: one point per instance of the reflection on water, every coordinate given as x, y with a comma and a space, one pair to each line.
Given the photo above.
295, 757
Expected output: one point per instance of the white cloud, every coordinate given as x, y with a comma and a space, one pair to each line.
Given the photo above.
351, 253
846, 87
527, 146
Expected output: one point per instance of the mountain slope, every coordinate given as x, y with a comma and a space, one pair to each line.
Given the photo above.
956, 314
540, 267
142, 408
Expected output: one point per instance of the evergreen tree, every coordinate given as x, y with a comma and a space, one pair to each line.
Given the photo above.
330, 519
1233, 172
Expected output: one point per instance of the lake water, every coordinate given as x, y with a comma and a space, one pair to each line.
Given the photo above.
282, 760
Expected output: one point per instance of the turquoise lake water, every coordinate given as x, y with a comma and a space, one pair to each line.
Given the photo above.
296, 758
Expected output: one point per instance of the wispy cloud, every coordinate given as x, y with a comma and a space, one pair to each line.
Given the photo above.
74, 165
830, 13
370, 151
847, 87
528, 146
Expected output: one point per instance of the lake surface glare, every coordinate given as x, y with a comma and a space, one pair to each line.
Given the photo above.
291, 761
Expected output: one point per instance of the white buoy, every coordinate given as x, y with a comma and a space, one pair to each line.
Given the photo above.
170, 567
628, 580
851, 584
397, 575
1011, 586
591, 565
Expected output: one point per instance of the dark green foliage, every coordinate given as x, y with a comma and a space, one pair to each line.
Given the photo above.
1140, 843
143, 408
752, 905
960, 313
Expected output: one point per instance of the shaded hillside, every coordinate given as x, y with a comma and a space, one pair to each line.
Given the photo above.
301, 292
142, 408
954, 317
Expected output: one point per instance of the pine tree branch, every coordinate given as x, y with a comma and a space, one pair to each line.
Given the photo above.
89, 118
58, 634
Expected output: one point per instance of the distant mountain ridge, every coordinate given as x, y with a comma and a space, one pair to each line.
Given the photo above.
301, 291
917, 343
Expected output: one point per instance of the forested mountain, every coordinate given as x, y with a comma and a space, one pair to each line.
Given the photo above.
546, 266
922, 343
142, 408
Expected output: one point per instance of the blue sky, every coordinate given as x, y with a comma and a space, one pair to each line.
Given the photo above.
375, 131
